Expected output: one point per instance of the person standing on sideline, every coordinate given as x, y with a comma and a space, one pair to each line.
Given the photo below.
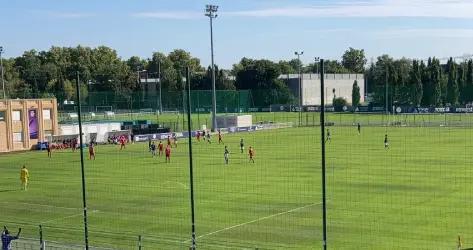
49, 149
7, 238
242, 145
24, 176
359, 128
91, 151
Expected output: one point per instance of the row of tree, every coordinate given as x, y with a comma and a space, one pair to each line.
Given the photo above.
419, 83
53, 73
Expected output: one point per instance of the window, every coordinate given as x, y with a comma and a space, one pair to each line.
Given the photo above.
46, 114
18, 137
16, 115
2, 116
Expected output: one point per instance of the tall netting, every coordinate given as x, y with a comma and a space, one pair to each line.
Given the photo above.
411, 192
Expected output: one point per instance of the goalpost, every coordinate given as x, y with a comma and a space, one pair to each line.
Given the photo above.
103, 109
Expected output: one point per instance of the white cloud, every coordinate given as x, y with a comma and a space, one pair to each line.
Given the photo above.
434, 33
380, 8
170, 15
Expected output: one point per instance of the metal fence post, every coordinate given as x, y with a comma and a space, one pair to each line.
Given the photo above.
41, 242
191, 172
139, 242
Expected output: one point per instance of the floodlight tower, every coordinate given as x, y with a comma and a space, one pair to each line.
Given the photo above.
211, 12
299, 54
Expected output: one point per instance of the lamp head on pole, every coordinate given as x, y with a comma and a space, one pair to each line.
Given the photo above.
1, 49
210, 10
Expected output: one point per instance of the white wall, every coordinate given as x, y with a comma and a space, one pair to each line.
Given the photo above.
343, 84
88, 128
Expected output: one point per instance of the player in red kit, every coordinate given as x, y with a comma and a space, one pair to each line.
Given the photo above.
168, 153
91, 151
122, 142
197, 135
169, 140
160, 148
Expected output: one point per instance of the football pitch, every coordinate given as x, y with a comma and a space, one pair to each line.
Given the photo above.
415, 195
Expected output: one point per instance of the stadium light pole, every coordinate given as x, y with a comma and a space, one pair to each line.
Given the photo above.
81, 148
210, 11
322, 131
1, 66
299, 54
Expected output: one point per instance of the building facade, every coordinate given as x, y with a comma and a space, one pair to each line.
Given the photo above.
25, 122
336, 85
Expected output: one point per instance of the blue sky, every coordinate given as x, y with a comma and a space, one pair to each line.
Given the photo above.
244, 28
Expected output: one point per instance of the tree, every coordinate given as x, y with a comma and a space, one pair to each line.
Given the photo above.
452, 84
339, 103
354, 60
416, 83
469, 81
355, 94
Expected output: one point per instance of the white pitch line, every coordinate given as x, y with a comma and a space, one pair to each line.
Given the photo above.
39, 205
176, 182
67, 217
259, 219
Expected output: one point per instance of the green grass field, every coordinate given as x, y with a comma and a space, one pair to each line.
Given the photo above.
416, 195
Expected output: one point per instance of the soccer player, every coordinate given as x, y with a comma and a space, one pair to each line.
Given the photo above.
49, 149
251, 153
175, 140
122, 142
169, 140
359, 128
168, 153
160, 148
329, 137
7, 238
220, 137
208, 137
386, 142
153, 149
242, 145
203, 135
24, 176
197, 135
149, 143
226, 154
91, 151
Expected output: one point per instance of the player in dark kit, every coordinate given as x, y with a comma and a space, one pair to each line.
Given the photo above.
242, 145
153, 149
386, 142
329, 137
49, 149
359, 128
225, 155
